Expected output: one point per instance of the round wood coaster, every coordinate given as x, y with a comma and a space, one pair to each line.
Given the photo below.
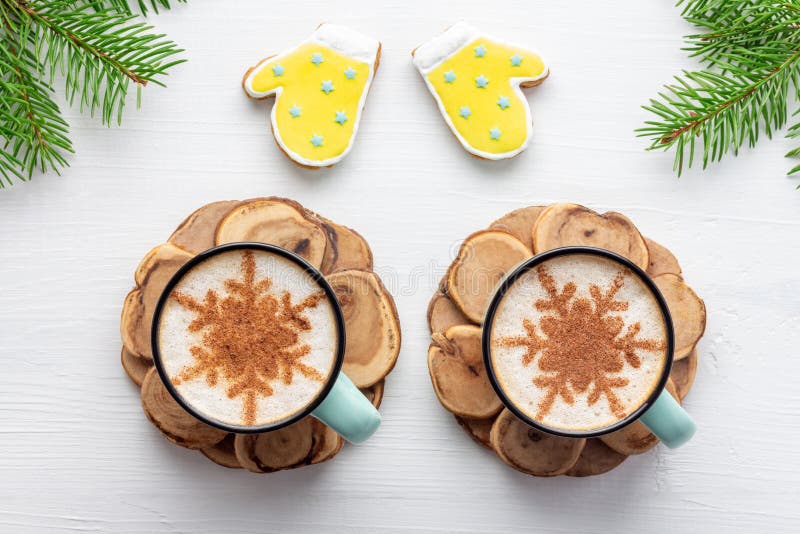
457, 308
340, 253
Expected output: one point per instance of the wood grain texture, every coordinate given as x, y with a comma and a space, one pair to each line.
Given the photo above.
77, 451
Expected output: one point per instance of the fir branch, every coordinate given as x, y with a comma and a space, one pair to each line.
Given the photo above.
124, 6
99, 47
30, 120
751, 49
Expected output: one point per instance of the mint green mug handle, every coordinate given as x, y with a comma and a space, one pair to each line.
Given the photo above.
668, 421
347, 411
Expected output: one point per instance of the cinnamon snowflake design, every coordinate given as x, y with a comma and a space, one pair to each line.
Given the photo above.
583, 346
250, 338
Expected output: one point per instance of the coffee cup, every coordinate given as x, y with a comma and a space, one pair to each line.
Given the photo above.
250, 338
579, 342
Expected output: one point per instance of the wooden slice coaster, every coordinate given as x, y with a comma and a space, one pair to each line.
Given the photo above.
341, 253
455, 364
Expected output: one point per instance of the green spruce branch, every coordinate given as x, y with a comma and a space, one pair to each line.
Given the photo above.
98, 47
751, 53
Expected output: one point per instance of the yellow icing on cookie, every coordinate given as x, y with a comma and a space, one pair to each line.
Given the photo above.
320, 95
477, 87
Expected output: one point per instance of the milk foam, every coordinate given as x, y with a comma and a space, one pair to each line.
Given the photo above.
516, 379
175, 339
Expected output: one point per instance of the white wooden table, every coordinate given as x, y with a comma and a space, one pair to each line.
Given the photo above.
77, 453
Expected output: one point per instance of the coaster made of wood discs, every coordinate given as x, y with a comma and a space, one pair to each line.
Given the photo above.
341, 254
455, 359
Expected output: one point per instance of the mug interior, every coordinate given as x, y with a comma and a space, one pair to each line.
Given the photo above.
500, 291
313, 273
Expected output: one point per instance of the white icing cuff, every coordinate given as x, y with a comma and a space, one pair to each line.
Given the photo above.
443, 46
348, 42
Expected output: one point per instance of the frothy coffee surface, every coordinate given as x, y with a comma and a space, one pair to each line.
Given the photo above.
247, 337
578, 342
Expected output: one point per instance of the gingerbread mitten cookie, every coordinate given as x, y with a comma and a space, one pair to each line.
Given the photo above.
320, 88
476, 82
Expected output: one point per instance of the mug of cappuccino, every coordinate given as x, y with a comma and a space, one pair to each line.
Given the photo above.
249, 338
578, 342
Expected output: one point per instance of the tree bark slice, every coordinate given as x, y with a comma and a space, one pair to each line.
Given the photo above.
152, 275
519, 223
374, 393
280, 449
563, 224
478, 429
135, 367
276, 222
197, 232
688, 312
345, 249
596, 458
177, 425
455, 363
442, 314
327, 443
662, 261
371, 323
223, 453
533, 452
683, 373
483, 259
636, 438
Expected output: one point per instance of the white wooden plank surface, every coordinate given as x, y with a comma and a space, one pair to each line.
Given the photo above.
77, 453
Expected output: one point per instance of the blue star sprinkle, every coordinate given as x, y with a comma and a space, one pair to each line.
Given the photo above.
495, 134
341, 117
503, 102
316, 140
316, 59
327, 87
480, 51
516, 60
277, 70
449, 76
465, 112
481, 82
350, 73
295, 111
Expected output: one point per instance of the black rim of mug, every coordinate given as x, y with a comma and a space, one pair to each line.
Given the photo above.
315, 274
526, 266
